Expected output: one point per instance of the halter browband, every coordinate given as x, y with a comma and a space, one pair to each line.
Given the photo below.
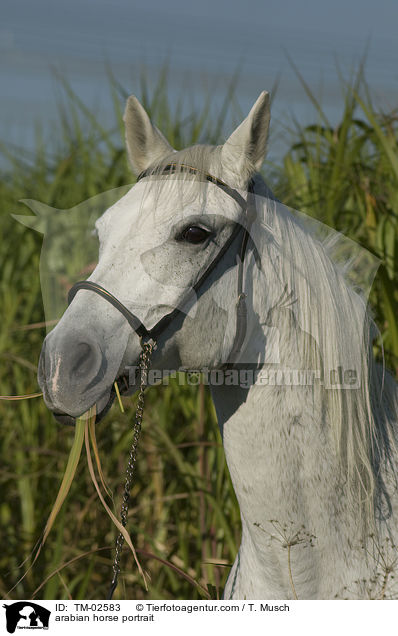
241, 311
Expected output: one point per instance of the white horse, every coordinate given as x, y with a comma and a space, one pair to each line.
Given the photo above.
312, 461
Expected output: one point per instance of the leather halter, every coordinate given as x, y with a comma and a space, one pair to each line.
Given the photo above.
241, 310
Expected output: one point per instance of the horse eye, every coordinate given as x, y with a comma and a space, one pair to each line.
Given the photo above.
194, 234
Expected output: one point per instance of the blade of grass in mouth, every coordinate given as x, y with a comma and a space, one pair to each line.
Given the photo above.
70, 470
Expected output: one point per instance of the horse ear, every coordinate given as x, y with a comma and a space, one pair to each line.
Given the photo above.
145, 143
244, 151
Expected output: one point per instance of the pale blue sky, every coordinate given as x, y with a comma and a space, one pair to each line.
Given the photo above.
204, 42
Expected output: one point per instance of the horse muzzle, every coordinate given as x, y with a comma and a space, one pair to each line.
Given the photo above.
74, 376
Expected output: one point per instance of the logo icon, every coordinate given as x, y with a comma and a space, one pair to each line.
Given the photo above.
26, 615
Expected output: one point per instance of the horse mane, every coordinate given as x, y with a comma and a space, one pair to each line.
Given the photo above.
335, 314
363, 420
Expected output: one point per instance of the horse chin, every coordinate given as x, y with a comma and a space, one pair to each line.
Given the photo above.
103, 404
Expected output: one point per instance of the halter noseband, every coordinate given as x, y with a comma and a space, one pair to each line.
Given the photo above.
145, 334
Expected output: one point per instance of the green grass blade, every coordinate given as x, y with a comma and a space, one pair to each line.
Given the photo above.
117, 523
389, 144
70, 469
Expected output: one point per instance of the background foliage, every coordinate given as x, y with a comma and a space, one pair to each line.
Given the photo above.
184, 519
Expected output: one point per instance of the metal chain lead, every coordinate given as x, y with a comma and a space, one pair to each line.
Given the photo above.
144, 364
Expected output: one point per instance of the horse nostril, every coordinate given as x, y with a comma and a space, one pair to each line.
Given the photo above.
83, 359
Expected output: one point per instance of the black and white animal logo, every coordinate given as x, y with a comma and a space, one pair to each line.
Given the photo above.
26, 615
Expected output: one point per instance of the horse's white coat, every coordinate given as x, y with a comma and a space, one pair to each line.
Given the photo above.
305, 461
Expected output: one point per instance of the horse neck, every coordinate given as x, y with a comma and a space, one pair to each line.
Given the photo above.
279, 450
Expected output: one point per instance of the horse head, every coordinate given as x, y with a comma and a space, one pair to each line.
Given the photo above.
165, 247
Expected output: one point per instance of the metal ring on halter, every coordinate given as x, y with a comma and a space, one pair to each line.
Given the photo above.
147, 339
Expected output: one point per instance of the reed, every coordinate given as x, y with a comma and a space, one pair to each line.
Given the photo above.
184, 520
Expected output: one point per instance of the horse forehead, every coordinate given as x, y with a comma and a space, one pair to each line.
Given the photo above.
146, 205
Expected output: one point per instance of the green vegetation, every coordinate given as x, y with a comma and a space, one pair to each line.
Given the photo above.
347, 177
184, 519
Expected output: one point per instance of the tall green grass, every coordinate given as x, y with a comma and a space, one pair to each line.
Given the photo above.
347, 177
184, 519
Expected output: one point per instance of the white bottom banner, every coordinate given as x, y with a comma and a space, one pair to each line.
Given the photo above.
181, 617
